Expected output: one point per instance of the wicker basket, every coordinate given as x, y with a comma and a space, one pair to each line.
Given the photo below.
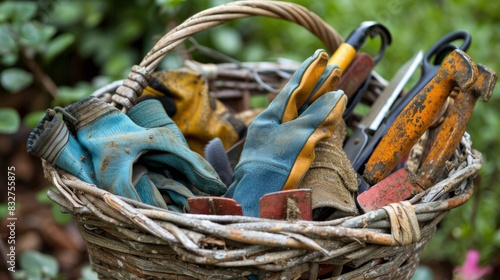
131, 240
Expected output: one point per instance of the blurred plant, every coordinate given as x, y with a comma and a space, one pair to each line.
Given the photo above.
35, 266
58, 216
471, 270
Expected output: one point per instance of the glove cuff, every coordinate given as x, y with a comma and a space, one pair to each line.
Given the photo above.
149, 113
49, 138
88, 111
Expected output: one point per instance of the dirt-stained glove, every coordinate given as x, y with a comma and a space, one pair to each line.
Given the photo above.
279, 147
52, 141
116, 142
200, 117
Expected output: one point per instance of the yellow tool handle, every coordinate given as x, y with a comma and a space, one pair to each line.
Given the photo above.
343, 56
457, 70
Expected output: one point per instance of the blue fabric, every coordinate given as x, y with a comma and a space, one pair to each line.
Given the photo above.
150, 113
116, 143
186, 166
52, 141
77, 161
175, 190
272, 146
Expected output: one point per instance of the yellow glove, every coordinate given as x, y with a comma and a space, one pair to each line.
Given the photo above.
199, 116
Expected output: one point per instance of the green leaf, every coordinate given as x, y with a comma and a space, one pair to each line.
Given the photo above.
89, 274
33, 118
58, 45
9, 120
15, 79
34, 35
67, 95
17, 10
7, 42
41, 196
38, 265
60, 217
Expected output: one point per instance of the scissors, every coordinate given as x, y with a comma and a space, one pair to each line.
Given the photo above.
429, 68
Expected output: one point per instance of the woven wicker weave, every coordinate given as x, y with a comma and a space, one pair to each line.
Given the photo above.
130, 240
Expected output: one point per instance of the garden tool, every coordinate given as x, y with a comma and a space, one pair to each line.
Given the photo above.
457, 70
279, 146
428, 71
346, 52
356, 67
355, 79
371, 122
52, 141
214, 206
198, 115
450, 131
331, 177
116, 143
287, 205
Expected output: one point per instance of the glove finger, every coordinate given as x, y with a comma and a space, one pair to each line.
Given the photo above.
326, 83
321, 117
297, 90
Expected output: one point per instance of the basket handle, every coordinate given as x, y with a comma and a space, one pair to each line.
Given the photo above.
127, 94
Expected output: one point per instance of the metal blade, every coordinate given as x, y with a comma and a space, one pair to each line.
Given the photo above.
384, 102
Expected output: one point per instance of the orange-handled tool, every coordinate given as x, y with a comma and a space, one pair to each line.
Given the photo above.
448, 134
403, 184
457, 70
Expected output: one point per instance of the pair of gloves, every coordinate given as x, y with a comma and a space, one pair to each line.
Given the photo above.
142, 155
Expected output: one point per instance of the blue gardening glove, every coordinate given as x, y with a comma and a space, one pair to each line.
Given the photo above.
184, 165
146, 188
279, 148
52, 141
150, 113
176, 191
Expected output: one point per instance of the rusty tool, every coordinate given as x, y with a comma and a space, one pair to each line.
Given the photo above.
449, 133
287, 205
214, 206
430, 66
403, 184
370, 123
458, 70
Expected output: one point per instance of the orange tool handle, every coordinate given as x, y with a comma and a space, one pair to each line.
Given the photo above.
457, 70
449, 134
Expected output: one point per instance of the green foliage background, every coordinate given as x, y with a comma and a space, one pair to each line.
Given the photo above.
84, 44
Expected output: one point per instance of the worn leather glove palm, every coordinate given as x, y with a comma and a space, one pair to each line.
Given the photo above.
200, 117
279, 147
52, 141
116, 142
